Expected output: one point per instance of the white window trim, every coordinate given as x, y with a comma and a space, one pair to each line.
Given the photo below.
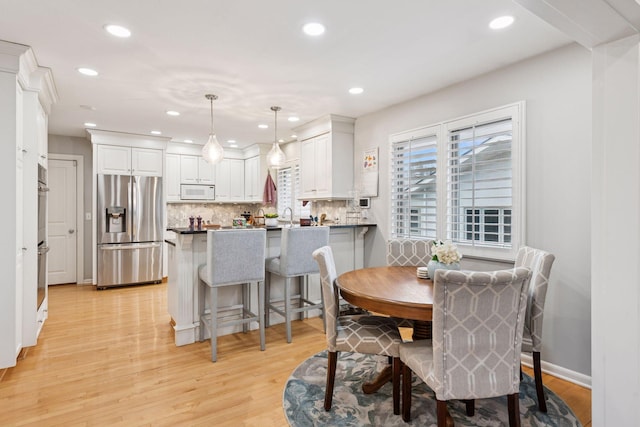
517, 112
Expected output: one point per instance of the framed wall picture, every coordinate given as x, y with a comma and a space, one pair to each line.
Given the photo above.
369, 172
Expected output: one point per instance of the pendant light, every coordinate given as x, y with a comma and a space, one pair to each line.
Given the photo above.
212, 150
276, 157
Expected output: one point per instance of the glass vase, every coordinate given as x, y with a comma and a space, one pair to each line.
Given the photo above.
432, 266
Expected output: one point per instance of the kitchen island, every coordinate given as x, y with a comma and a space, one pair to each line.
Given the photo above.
187, 250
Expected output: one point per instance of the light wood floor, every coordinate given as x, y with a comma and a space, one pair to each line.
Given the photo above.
108, 358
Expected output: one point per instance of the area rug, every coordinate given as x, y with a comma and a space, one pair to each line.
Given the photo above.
303, 400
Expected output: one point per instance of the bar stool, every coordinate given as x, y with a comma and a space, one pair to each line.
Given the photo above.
295, 260
234, 257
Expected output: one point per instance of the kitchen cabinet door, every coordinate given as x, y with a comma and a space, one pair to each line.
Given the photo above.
252, 190
146, 162
222, 181
41, 133
114, 160
236, 180
206, 172
172, 177
315, 167
189, 169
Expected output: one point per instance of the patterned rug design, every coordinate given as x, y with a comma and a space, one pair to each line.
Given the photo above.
303, 400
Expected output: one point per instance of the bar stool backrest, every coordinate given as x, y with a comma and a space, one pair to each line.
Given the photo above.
235, 256
296, 249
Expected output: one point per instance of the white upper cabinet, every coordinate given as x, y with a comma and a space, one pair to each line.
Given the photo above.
252, 190
41, 131
119, 160
326, 158
195, 170
114, 160
230, 180
146, 162
172, 177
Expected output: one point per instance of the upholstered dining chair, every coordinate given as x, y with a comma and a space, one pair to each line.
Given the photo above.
295, 260
408, 252
358, 334
478, 318
540, 263
234, 257
403, 252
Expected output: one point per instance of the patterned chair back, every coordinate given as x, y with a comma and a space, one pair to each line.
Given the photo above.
540, 263
478, 319
408, 252
328, 275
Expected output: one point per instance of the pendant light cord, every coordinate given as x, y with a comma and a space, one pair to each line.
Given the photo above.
211, 115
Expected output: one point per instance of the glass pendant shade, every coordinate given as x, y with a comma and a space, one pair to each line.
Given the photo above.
275, 157
212, 151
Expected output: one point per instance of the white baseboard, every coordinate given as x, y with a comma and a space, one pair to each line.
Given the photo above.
558, 371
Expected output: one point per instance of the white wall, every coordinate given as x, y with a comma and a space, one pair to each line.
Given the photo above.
557, 89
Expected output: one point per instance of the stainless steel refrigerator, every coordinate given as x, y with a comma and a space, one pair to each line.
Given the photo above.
129, 218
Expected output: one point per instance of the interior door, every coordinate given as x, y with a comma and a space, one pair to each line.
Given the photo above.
62, 235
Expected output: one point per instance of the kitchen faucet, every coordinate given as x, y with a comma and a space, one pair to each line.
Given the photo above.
290, 215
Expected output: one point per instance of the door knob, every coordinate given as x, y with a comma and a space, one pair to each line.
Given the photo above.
72, 231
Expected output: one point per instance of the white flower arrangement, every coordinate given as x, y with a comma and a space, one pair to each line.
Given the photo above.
445, 252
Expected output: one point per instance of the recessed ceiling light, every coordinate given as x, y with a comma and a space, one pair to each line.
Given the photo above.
231, 141
87, 71
501, 22
233, 145
188, 141
294, 136
88, 107
313, 29
356, 90
90, 125
156, 132
173, 113
118, 31
261, 126
294, 119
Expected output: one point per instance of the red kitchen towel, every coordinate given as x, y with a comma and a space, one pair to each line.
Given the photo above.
270, 194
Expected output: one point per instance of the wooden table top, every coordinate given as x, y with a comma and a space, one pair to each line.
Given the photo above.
394, 291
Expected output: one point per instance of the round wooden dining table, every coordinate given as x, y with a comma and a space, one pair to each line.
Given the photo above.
395, 291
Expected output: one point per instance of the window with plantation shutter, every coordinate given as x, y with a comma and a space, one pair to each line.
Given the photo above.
413, 184
284, 188
477, 199
479, 184
289, 191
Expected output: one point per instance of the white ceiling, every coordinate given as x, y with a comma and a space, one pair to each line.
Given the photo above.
253, 55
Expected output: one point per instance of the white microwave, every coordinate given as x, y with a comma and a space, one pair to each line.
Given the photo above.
197, 192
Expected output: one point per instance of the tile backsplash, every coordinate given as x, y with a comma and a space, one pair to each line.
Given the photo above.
223, 213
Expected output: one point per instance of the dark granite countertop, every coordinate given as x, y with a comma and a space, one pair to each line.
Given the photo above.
187, 230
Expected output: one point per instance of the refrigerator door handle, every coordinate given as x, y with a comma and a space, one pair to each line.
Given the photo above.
130, 246
133, 233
